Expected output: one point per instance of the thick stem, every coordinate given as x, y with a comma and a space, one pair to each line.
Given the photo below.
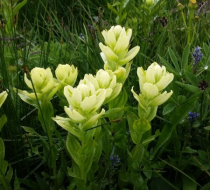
45, 117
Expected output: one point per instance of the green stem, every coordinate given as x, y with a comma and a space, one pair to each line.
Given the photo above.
45, 116
191, 14
82, 167
184, 20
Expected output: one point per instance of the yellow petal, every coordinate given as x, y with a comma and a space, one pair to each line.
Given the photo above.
122, 44
164, 81
129, 56
110, 55
3, 97
88, 103
160, 99
28, 82
149, 90
74, 115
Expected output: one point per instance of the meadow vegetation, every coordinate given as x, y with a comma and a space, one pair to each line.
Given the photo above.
104, 94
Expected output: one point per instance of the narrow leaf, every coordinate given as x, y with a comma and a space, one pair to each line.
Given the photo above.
185, 56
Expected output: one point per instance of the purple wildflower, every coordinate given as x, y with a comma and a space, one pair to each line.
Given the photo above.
115, 160
192, 116
197, 55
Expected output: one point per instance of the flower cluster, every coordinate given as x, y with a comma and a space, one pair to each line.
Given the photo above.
104, 79
115, 160
44, 85
66, 75
152, 82
92, 92
192, 116
84, 100
115, 51
197, 55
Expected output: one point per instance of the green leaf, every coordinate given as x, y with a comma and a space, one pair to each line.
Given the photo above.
42, 184
3, 182
30, 183
45, 114
9, 174
88, 161
207, 128
168, 108
176, 142
205, 105
71, 172
92, 121
73, 146
174, 60
203, 155
189, 150
124, 4
3, 120
26, 98
180, 171
120, 100
123, 17
188, 87
4, 165
18, 7
137, 156
87, 147
178, 115
164, 136
185, 56
181, 99
30, 130
16, 183
149, 139
68, 125
2, 150
169, 67
206, 49
62, 171
113, 111
161, 183
206, 187
131, 119
112, 9
182, 110
141, 125
193, 79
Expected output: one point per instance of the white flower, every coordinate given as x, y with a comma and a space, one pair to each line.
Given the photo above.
66, 74
104, 79
115, 51
42, 82
83, 101
152, 82
155, 74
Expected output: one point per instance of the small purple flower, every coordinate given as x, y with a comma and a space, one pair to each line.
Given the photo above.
192, 116
197, 55
115, 160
